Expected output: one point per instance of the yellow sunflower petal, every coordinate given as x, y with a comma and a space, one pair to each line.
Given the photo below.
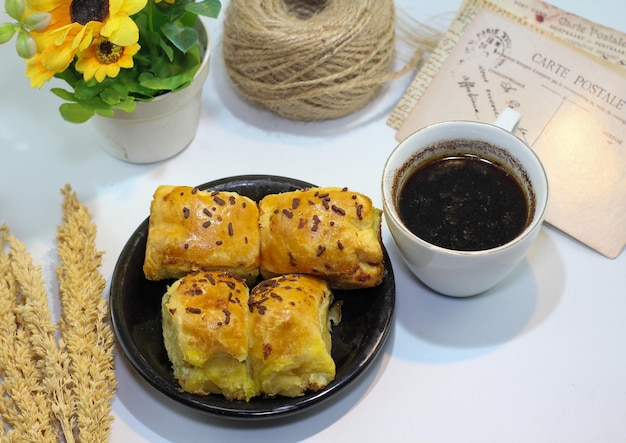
127, 7
121, 30
60, 34
42, 5
88, 67
57, 59
111, 70
37, 73
100, 75
84, 35
126, 61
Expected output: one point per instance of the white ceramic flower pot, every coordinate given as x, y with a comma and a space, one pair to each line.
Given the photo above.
158, 129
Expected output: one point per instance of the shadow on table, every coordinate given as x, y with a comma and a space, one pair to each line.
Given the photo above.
173, 421
439, 329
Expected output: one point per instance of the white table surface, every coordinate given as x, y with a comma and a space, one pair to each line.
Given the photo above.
541, 358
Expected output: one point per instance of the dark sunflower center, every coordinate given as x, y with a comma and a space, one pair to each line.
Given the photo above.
108, 52
84, 11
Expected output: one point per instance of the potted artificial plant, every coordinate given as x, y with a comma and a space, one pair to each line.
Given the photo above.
118, 59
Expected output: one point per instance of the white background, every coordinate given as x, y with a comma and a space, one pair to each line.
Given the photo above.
540, 358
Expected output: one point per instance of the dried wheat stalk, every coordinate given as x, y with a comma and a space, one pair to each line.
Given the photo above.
88, 338
30, 358
55, 389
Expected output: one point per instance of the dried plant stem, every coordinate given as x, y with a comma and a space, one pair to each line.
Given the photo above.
55, 389
33, 369
87, 336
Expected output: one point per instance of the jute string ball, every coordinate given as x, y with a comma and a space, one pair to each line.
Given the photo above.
310, 59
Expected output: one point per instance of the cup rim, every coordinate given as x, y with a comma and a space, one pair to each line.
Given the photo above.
388, 183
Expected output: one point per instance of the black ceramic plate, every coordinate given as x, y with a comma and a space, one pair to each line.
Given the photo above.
136, 316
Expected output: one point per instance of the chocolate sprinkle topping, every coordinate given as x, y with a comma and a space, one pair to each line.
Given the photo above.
338, 210
227, 314
316, 222
230, 284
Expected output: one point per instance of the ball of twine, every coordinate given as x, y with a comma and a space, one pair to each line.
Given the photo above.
309, 59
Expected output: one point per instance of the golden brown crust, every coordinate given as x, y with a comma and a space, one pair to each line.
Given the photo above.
191, 230
289, 335
205, 334
329, 232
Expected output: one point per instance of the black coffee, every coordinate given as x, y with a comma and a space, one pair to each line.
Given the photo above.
464, 203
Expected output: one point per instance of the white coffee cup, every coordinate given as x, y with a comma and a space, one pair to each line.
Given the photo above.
456, 272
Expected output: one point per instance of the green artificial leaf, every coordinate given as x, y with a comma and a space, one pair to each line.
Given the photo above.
127, 105
169, 51
65, 95
112, 96
164, 13
188, 18
182, 37
124, 86
87, 90
173, 76
105, 112
75, 112
172, 83
207, 8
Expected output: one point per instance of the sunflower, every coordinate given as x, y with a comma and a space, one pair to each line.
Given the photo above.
104, 59
75, 24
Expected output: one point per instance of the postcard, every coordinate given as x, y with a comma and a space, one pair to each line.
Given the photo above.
598, 40
574, 116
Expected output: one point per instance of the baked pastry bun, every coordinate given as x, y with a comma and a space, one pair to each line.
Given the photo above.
194, 230
204, 318
331, 233
289, 335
